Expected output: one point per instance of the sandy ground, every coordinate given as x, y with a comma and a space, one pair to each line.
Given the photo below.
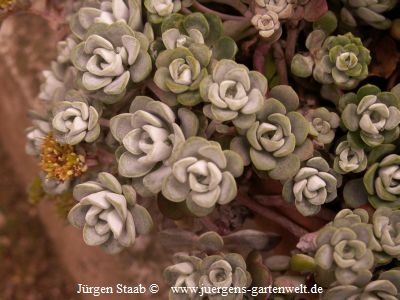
29, 266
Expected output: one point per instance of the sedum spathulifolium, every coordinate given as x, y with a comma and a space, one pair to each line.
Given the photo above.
213, 114
108, 213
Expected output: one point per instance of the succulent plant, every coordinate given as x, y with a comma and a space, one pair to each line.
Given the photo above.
36, 134
381, 182
58, 80
323, 124
106, 12
233, 93
54, 187
277, 140
224, 270
341, 60
75, 120
368, 12
197, 28
283, 8
108, 213
371, 115
386, 228
180, 71
149, 136
157, 10
314, 185
64, 49
349, 158
202, 175
268, 25
184, 273
386, 287
109, 57
345, 249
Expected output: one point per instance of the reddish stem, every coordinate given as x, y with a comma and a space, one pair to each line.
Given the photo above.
104, 122
209, 224
279, 57
293, 29
272, 215
223, 16
259, 57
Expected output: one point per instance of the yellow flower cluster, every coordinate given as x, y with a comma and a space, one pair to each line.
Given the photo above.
60, 161
6, 4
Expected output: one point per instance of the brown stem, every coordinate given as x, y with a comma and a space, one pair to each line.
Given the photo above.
326, 214
223, 16
236, 4
393, 79
104, 122
279, 57
211, 128
293, 29
272, 215
259, 57
209, 224
186, 11
271, 200
168, 99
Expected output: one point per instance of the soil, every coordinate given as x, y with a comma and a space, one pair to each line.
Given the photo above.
29, 266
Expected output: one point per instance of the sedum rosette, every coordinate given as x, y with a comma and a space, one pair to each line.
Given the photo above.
268, 25
184, 273
386, 287
349, 159
57, 81
36, 134
224, 270
277, 141
233, 93
180, 71
372, 115
197, 28
109, 57
323, 124
341, 60
108, 213
386, 224
106, 12
203, 175
283, 8
369, 12
149, 136
314, 185
75, 120
64, 49
157, 10
345, 249
345, 61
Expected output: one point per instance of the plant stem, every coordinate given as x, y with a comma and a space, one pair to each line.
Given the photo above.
236, 4
293, 29
259, 57
272, 215
279, 57
211, 128
209, 224
160, 94
271, 200
223, 16
104, 122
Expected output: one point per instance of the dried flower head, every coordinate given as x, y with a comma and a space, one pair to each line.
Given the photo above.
60, 161
6, 4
